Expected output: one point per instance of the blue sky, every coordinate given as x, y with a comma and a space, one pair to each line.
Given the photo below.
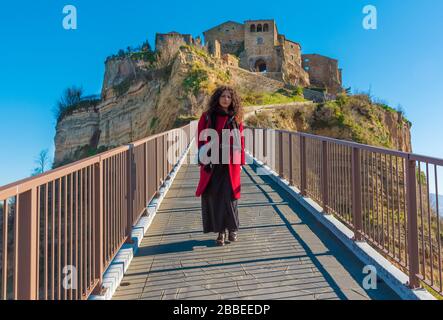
401, 61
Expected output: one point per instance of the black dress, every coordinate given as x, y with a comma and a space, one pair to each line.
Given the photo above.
219, 208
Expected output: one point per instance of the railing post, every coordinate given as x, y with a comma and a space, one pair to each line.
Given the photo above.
413, 254
145, 177
280, 154
157, 167
265, 142
303, 186
253, 142
356, 194
27, 217
325, 176
164, 151
98, 225
291, 174
130, 192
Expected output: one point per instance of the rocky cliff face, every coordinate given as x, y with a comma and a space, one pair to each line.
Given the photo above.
352, 118
142, 98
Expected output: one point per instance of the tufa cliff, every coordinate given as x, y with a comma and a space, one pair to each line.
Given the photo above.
147, 92
146, 95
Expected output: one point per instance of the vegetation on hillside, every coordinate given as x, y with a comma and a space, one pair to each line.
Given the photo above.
349, 117
203, 74
143, 52
278, 97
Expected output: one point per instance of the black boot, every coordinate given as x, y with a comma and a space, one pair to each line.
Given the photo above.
221, 238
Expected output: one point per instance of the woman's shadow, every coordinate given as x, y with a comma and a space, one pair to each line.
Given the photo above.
175, 247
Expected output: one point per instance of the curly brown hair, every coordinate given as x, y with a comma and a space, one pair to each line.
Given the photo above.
235, 106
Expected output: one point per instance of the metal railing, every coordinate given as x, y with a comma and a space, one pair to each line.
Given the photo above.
383, 195
60, 230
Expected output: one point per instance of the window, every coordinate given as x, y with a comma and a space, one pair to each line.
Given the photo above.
265, 27
252, 27
307, 68
259, 28
306, 59
259, 40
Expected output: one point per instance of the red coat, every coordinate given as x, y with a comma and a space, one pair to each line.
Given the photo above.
234, 169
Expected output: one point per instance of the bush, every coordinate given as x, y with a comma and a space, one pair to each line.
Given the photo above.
147, 56
193, 81
328, 115
142, 52
72, 100
342, 99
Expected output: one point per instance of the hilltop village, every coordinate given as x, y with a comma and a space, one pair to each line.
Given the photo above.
257, 46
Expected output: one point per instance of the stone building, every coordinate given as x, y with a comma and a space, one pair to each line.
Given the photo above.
167, 44
260, 48
323, 72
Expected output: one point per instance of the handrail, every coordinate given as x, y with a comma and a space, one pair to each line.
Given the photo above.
79, 215
383, 195
27, 183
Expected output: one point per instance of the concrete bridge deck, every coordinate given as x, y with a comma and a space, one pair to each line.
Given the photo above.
282, 252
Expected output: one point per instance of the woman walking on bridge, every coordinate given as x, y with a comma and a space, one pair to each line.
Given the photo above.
219, 184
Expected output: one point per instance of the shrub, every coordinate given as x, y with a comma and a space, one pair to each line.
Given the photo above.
153, 122
328, 115
72, 100
147, 56
193, 81
123, 86
260, 120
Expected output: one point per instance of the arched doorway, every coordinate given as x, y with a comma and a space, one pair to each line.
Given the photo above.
260, 65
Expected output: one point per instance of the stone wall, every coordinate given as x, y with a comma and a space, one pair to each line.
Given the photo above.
230, 34
167, 44
248, 81
214, 48
292, 70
